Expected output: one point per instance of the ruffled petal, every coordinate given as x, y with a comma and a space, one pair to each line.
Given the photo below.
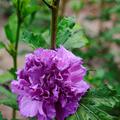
15, 87
50, 110
29, 107
34, 74
80, 87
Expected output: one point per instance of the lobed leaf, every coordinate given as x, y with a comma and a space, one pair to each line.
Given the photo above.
76, 39
70, 35
64, 28
99, 104
35, 40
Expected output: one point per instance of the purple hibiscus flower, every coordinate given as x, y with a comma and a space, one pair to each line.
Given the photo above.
50, 85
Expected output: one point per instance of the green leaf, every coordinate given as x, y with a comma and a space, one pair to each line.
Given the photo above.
29, 9
11, 28
35, 40
99, 104
8, 32
46, 36
6, 77
7, 93
2, 45
70, 35
77, 38
9, 102
8, 98
64, 30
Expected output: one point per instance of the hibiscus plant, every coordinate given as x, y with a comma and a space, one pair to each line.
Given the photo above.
52, 84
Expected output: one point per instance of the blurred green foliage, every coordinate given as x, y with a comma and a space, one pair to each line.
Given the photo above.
98, 104
102, 67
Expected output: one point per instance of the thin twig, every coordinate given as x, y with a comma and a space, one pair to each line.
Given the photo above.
50, 6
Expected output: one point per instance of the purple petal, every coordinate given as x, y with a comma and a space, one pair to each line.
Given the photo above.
29, 107
80, 87
16, 88
50, 110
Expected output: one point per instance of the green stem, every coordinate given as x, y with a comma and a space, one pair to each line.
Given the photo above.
14, 115
16, 47
55, 8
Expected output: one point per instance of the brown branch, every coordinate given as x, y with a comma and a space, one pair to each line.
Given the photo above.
55, 9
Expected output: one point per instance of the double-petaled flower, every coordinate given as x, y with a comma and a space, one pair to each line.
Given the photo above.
51, 84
